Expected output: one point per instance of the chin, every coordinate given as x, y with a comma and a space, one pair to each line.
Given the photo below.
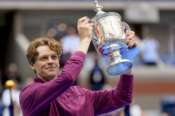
49, 77
52, 75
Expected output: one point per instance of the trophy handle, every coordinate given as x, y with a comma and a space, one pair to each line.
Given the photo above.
125, 27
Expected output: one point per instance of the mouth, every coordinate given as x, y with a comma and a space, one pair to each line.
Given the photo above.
51, 68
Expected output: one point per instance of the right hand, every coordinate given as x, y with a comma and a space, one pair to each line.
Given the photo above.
85, 27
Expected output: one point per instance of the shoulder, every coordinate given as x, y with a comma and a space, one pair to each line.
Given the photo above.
27, 91
28, 87
81, 90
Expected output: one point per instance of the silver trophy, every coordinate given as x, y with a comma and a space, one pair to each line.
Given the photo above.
109, 40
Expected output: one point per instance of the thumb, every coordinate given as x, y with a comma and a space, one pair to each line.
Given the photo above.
130, 53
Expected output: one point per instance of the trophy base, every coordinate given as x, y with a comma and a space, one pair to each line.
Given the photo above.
119, 67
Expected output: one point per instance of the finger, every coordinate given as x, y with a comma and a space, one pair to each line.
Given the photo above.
130, 34
83, 19
85, 25
129, 31
132, 44
128, 40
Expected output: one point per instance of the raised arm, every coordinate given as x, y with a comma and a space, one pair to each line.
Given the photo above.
38, 96
109, 100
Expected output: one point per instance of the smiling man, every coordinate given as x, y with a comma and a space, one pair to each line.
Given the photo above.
46, 63
52, 92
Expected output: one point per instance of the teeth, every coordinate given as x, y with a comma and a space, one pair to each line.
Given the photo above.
52, 67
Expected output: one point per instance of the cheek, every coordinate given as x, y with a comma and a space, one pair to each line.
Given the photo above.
57, 63
40, 67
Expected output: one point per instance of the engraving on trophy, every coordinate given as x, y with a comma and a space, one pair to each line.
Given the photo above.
108, 39
112, 27
99, 33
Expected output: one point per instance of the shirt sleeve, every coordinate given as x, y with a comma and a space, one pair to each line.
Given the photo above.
39, 95
109, 100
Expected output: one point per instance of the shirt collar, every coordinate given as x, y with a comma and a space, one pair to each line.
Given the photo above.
37, 79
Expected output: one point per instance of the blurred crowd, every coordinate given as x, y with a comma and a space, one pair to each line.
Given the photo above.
94, 65
149, 45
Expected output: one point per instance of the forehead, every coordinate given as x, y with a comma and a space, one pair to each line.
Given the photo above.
44, 50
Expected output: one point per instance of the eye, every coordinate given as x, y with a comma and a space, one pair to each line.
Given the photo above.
54, 57
43, 58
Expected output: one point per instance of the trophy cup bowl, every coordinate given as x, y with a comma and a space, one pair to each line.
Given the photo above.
109, 40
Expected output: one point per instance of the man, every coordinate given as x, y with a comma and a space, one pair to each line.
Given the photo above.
52, 93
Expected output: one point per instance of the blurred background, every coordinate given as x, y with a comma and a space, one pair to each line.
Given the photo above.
152, 20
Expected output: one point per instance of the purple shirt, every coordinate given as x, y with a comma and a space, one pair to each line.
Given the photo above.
59, 97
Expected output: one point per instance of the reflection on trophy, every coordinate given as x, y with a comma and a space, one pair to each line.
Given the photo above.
108, 39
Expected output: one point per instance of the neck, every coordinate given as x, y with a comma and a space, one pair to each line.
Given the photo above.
45, 78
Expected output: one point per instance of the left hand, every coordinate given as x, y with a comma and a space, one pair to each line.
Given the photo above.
130, 39
132, 50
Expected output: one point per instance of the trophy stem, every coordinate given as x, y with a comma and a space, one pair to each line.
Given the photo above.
118, 65
98, 7
115, 56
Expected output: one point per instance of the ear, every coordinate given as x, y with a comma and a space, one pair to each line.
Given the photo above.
32, 67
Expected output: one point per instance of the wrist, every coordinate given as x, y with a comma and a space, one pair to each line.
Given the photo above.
85, 39
84, 45
129, 72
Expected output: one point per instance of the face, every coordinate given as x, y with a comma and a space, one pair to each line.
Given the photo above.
47, 63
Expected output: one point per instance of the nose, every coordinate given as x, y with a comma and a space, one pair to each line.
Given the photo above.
50, 60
